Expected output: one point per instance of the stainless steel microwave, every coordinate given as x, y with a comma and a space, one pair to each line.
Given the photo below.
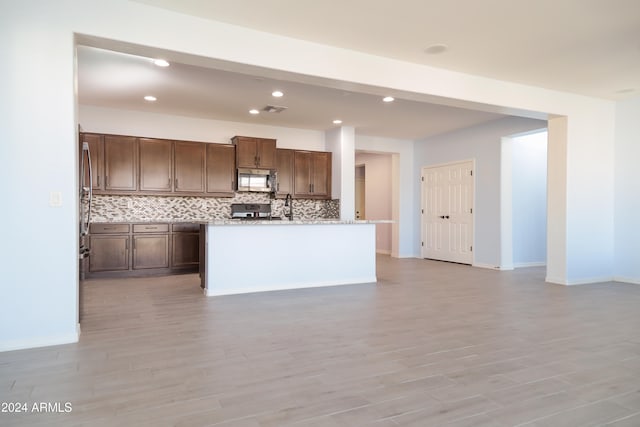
260, 180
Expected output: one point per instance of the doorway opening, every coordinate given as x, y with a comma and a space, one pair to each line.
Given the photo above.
523, 208
374, 194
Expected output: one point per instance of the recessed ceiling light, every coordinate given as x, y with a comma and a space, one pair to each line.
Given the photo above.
161, 62
150, 98
337, 121
435, 49
388, 99
277, 93
254, 111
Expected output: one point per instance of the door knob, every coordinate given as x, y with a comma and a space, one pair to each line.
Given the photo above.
442, 216
447, 216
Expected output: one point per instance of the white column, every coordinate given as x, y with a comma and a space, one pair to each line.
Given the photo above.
506, 204
341, 143
557, 201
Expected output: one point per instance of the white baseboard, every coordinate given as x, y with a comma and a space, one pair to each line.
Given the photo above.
487, 266
39, 342
529, 264
632, 280
586, 281
219, 292
383, 251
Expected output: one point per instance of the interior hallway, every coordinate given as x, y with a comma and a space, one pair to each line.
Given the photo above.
431, 344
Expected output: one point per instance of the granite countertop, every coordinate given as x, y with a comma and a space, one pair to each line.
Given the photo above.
295, 222
250, 222
153, 221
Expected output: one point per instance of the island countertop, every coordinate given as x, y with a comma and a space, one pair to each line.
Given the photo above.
242, 256
294, 222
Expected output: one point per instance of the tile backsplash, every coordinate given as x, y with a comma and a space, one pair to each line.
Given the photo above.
171, 209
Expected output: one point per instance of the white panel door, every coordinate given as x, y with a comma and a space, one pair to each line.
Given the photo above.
448, 212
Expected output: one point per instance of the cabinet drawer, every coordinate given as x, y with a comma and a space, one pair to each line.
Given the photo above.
109, 228
150, 228
185, 227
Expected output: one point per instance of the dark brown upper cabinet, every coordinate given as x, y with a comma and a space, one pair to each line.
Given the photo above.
284, 166
120, 163
156, 165
96, 150
255, 152
189, 158
312, 177
221, 169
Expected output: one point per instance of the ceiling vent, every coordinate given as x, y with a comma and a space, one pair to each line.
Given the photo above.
274, 109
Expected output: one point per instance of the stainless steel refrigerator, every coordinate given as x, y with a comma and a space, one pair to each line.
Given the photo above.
86, 194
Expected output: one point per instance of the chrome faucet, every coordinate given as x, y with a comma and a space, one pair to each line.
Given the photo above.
288, 201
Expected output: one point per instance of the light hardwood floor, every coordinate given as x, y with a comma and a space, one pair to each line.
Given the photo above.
431, 344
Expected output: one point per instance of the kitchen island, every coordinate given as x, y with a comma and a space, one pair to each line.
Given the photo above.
254, 256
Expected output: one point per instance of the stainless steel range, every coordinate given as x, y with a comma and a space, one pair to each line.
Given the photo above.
251, 211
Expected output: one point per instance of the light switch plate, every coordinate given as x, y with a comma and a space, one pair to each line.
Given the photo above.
55, 199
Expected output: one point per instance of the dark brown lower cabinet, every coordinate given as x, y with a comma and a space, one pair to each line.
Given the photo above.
109, 253
150, 251
109, 245
185, 251
127, 250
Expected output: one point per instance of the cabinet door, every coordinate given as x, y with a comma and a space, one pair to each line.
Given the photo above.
302, 171
246, 151
185, 252
221, 168
96, 149
150, 251
266, 153
109, 253
155, 164
321, 179
189, 167
284, 166
120, 160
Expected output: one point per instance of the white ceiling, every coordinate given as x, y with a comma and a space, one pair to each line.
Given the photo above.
120, 80
590, 47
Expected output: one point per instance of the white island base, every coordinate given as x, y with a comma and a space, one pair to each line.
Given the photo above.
266, 256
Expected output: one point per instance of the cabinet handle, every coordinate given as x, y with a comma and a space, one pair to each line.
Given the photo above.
309, 188
98, 180
255, 160
176, 183
169, 183
106, 180
126, 244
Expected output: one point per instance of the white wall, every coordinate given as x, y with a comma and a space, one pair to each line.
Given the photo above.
38, 155
529, 199
482, 143
153, 125
378, 200
627, 191
39, 143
